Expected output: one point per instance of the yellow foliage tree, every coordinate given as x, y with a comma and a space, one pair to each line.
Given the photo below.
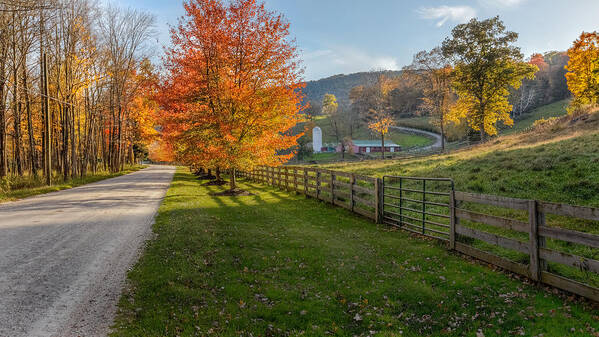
583, 69
487, 67
380, 123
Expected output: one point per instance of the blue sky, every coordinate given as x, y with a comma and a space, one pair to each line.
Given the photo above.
346, 36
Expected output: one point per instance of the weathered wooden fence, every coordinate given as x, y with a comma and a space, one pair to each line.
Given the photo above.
357, 193
533, 242
431, 207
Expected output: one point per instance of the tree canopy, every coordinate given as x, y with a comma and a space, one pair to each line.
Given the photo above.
233, 90
583, 69
487, 66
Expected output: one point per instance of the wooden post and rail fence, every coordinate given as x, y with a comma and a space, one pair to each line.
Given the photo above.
563, 258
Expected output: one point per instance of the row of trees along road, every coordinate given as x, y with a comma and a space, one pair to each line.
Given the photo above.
232, 93
72, 78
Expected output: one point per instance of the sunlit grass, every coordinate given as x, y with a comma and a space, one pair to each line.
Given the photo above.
559, 165
280, 264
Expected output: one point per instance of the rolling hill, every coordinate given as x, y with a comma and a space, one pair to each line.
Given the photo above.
340, 85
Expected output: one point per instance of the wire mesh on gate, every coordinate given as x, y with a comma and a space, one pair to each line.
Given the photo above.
419, 205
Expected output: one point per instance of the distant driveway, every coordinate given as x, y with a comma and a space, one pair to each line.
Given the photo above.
437, 137
64, 255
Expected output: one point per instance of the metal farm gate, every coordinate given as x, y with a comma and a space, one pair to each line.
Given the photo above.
419, 205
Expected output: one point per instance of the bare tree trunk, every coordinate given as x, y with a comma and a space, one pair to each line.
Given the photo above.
233, 180
16, 102
32, 149
18, 146
65, 143
217, 175
382, 145
3, 159
47, 122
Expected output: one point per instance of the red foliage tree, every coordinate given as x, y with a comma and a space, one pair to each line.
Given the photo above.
233, 91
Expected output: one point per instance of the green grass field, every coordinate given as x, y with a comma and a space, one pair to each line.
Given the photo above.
23, 187
556, 109
523, 123
557, 165
279, 264
327, 157
420, 122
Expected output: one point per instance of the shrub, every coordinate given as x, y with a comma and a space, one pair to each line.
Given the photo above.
4, 185
545, 124
577, 109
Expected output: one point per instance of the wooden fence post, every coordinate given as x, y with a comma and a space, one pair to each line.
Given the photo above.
541, 239
280, 175
452, 220
533, 234
352, 182
332, 187
317, 184
272, 177
305, 181
295, 179
378, 201
423, 206
286, 178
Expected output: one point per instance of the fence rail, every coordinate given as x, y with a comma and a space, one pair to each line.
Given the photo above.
438, 211
536, 246
357, 193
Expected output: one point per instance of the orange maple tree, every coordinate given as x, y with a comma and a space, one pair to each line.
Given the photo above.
233, 91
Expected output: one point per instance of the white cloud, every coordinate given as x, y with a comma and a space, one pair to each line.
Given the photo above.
501, 3
344, 60
459, 14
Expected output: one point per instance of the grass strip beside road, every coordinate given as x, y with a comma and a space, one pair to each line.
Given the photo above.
35, 186
279, 264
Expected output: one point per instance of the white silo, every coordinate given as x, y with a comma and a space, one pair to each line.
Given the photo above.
316, 139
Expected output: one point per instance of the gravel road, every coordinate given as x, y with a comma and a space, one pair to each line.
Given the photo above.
64, 255
437, 137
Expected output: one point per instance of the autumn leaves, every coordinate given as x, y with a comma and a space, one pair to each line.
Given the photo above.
232, 93
70, 72
583, 67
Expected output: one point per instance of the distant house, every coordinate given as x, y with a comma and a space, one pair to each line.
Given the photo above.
368, 146
328, 147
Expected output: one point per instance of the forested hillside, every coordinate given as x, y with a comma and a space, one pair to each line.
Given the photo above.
340, 85
408, 99
548, 86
